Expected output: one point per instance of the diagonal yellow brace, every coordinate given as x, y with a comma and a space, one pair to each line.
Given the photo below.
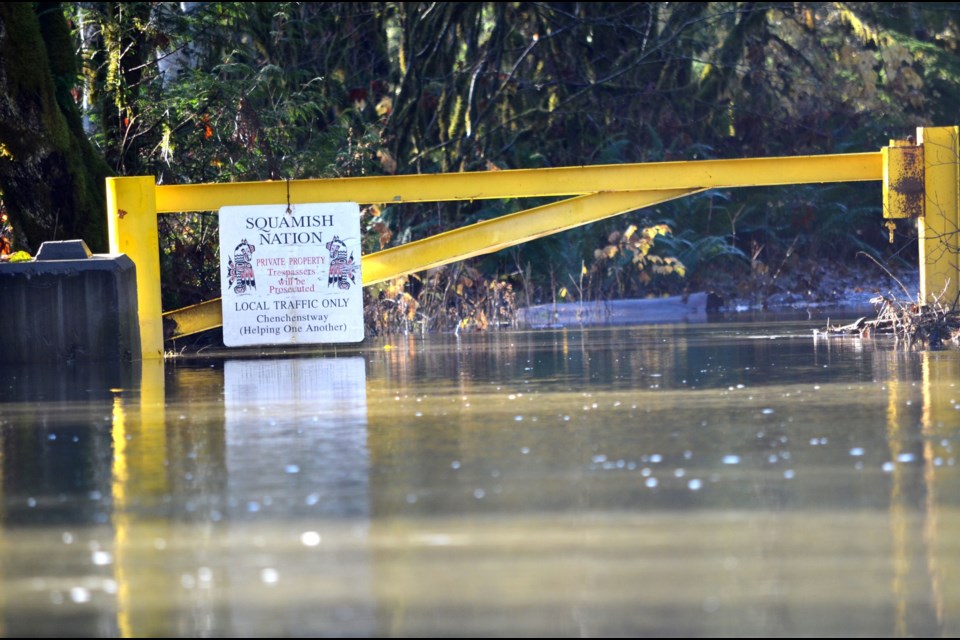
506, 231
459, 244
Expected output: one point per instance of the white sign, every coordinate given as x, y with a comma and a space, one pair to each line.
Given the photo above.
291, 276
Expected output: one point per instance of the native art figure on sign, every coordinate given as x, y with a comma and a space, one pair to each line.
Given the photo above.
240, 268
342, 268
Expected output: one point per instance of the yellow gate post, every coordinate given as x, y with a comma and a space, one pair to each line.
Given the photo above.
939, 227
132, 229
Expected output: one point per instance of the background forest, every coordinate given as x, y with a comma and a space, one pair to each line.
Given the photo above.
235, 91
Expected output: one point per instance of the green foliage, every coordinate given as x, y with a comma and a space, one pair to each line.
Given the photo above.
224, 91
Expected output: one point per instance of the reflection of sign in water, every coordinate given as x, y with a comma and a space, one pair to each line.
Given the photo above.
298, 426
291, 275
297, 465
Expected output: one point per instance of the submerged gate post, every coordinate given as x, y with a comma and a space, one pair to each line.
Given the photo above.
939, 228
132, 227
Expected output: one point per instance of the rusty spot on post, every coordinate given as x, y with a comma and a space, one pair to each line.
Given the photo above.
903, 180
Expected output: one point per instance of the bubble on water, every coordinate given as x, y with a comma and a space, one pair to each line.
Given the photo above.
651, 482
479, 493
52, 436
695, 484
518, 418
312, 499
711, 604
524, 450
597, 459
767, 411
101, 558
67, 537
772, 458
269, 576
734, 459
292, 468
253, 506
187, 581
310, 538
789, 474
80, 595
411, 498
887, 467
856, 452
110, 586
906, 457
679, 473
31, 502
655, 458
419, 414
455, 464
687, 454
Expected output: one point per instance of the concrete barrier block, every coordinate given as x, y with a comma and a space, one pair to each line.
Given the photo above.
68, 305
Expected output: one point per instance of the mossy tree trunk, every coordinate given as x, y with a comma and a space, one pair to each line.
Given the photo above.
52, 180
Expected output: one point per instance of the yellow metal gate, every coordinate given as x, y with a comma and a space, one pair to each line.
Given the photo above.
920, 179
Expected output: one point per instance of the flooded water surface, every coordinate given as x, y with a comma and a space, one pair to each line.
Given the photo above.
689, 480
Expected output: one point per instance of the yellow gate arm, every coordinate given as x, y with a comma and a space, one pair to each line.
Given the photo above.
607, 190
459, 244
528, 183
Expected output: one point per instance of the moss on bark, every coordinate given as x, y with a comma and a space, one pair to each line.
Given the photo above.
51, 178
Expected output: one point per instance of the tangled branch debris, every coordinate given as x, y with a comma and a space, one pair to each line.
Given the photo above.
912, 324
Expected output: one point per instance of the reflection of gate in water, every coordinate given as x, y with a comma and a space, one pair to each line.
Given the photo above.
918, 180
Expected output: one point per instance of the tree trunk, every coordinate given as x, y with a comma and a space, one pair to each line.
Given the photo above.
52, 181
